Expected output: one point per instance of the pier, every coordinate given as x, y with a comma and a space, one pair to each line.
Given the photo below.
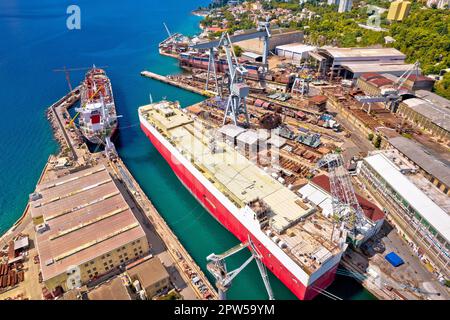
179, 254
178, 84
67, 137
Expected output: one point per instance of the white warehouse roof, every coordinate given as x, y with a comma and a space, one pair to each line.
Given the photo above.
364, 53
429, 210
296, 48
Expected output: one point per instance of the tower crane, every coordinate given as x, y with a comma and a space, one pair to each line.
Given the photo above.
217, 267
345, 205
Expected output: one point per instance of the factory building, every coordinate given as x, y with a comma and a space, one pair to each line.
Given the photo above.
296, 52
351, 63
431, 165
423, 221
399, 10
85, 229
278, 37
150, 275
429, 112
373, 83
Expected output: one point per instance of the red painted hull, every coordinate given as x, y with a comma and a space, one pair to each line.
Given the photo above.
227, 219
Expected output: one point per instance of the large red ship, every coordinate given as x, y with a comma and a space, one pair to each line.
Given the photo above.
297, 244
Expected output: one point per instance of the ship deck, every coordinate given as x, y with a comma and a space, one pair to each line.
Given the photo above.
306, 234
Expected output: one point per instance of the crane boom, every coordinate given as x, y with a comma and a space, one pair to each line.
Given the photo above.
346, 207
217, 267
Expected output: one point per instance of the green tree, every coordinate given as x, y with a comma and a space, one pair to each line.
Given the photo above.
377, 141
237, 50
442, 87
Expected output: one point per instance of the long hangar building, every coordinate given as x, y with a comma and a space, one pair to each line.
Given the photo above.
350, 63
85, 228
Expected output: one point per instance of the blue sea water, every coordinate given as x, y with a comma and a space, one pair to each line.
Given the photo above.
123, 36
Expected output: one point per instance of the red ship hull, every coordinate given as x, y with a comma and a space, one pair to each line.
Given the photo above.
217, 209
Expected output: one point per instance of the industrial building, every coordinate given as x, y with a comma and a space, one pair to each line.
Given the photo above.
399, 10
296, 52
350, 63
373, 83
114, 289
150, 275
429, 112
278, 37
431, 165
84, 228
420, 219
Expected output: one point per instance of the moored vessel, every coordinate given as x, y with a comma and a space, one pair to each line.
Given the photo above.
296, 243
97, 118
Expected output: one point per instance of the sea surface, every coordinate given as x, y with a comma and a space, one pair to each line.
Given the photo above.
123, 36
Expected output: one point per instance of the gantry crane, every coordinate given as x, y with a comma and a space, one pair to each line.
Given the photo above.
217, 267
238, 90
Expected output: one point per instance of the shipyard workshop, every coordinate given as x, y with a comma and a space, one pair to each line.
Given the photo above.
84, 229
